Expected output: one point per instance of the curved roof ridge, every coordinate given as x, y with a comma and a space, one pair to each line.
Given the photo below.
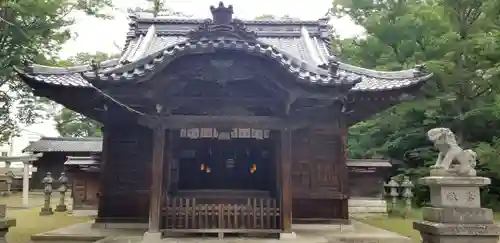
300, 68
43, 69
145, 17
407, 73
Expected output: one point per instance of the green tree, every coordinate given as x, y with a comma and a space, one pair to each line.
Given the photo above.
456, 39
32, 30
273, 17
158, 8
70, 123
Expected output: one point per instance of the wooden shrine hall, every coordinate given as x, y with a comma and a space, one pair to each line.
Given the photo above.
223, 125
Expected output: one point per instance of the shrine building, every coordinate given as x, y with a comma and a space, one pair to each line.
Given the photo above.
223, 125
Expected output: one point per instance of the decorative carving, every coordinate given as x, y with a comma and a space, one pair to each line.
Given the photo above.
221, 69
222, 15
449, 151
222, 25
333, 65
95, 65
420, 69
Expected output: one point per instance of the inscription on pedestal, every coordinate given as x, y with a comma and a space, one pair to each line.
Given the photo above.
467, 197
458, 215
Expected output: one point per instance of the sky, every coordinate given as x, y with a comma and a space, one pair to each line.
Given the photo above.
92, 35
109, 35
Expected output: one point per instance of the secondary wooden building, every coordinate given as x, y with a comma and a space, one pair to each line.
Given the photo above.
84, 174
55, 151
223, 124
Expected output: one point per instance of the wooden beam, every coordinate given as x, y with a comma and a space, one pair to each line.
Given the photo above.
156, 179
257, 122
177, 101
286, 179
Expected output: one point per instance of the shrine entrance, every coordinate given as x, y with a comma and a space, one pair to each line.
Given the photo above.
234, 162
225, 181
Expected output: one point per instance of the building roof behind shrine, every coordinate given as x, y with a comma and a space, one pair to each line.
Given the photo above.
303, 48
65, 144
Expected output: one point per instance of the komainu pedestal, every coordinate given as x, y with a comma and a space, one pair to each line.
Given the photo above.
5, 223
455, 215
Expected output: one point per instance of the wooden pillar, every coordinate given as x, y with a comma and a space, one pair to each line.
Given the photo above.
103, 191
286, 179
276, 138
343, 171
155, 191
167, 170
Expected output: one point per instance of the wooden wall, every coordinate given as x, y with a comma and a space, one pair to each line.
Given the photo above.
366, 182
85, 187
50, 162
317, 183
125, 174
318, 187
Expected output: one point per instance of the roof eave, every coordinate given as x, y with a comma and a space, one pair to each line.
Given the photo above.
139, 70
385, 98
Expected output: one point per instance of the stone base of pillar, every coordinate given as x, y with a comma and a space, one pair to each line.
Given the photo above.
46, 211
152, 237
456, 215
3, 232
61, 208
432, 232
288, 236
5, 224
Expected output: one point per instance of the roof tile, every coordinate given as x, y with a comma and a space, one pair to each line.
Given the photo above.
65, 144
71, 79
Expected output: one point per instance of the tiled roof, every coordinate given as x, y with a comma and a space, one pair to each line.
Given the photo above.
301, 47
65, 144
303, 70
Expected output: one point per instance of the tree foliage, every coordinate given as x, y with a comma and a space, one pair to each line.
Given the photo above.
457, 40
70, 123
158, 8
274, 17
32, 30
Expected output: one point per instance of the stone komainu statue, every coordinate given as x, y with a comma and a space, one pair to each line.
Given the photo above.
449, 151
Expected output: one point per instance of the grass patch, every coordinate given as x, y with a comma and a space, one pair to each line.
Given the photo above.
29, 223
395, 224
15, 200
402, 226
